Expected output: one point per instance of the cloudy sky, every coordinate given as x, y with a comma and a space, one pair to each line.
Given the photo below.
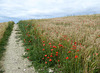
36, 9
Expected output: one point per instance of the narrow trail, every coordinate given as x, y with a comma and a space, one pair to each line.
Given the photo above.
13, 60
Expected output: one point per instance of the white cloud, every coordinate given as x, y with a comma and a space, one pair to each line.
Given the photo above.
31, 8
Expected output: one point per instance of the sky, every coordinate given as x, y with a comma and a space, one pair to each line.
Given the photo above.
16, 10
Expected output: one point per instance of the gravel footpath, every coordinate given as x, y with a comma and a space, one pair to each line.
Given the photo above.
13, 60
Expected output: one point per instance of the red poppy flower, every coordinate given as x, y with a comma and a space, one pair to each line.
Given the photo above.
50, 59
58, 60
51, 49
50, 46
51, 56
69, 52
54, 47
42, 58
29, 35
75, 43
67, 57
29, 41
43, 49
74, 46
49, 43
28, 49
96, 54
43, 44
45, 62
27, 57
43, 41
56, 52
77, 50
76, 56
60, 45
64, 36
45, 55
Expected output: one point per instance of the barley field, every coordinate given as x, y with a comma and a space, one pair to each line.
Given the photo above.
3, 27
63, 45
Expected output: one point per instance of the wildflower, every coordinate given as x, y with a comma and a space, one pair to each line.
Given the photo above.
96, 54
43, 41
76, 56
43, 49
75, 43
43, 44
67, 57
60, 45
50, 59
28, 49
58, 60
51, 56
64, 36
77, 50
51, 49
42, 58
69, 52
45, 62
54, 47
50, 46
56, 52
49, 43
45, 55
74, 47
29, 41
27, 57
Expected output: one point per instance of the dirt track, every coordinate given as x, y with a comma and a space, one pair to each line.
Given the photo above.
13, 60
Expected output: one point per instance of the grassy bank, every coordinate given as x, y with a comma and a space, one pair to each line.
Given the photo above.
5, 36
3, 27
65, 45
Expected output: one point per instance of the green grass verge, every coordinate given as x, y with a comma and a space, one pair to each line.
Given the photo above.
4, 40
